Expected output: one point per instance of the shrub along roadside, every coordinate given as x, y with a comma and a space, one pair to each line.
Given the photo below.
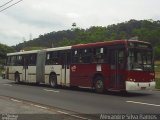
157, 83
157, 72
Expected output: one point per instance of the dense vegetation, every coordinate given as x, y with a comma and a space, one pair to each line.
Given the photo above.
145, 30
3, 50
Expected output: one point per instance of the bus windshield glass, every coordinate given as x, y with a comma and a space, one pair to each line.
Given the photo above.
140, 59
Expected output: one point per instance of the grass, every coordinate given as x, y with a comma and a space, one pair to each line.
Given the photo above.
157, 83
157, 69
157, 73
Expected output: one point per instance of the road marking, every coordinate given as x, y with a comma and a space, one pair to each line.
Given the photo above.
51, 90
76, 116
143, 103
16, 100
30, 104
39, 106
7, 84
73, 115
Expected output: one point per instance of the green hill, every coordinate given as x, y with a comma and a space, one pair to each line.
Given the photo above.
145, 30
4, 49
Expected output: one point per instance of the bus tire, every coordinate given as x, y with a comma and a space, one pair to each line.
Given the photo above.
17, 78
99, 84
53, 80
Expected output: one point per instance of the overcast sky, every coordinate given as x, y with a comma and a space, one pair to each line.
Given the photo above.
30, 18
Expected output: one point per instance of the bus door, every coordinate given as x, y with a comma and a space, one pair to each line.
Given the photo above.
65, 60
117, 65
25, 68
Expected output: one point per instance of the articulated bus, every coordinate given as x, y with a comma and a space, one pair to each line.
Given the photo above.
119, 65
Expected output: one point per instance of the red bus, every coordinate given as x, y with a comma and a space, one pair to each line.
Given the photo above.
119, 65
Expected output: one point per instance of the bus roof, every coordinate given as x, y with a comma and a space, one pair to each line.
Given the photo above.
100, 44
88, 45
58, 48
23, 52
36, 51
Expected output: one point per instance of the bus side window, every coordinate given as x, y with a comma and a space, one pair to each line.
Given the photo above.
106, 55
52, 58
32, 59
13, 59
80, 54
75, 56
49, 58
121, 59
55, 57
98, 55
8, 61
25, 60
86, 55
68, 57
18, 60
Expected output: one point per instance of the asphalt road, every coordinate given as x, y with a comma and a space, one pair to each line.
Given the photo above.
84, 100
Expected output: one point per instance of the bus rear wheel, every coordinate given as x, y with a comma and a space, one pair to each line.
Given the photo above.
99, 84
17, 78
53, 81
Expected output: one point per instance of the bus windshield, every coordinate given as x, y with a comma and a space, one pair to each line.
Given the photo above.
140, 59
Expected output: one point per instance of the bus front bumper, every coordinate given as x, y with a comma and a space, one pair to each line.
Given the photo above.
140, 85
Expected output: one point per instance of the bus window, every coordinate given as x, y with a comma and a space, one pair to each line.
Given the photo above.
105, 55
8, 60
75, 56
80, 54
68, 57
86, 55
18, 60
52, 58
121, 59
13, 59
49, 58
55, 58
32, 59
25, 60
140, 60
98, 55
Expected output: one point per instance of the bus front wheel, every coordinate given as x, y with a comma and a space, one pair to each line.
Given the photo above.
99, 84
53, 80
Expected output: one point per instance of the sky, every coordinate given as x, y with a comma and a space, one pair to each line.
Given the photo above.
31, 18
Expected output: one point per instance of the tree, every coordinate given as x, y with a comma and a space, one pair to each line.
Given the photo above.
145, 30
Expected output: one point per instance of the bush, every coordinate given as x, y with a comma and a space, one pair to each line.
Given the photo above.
157, 83
157, 52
